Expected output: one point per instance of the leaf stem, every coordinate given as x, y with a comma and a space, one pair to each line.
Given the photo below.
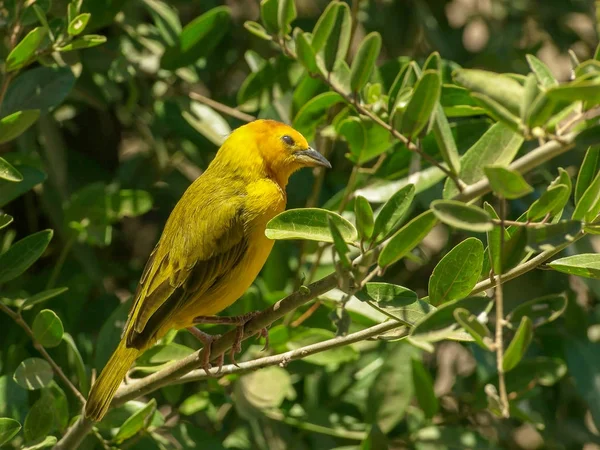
233, 112
499, 344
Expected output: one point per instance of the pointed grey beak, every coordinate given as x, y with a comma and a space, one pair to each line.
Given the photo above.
311, 157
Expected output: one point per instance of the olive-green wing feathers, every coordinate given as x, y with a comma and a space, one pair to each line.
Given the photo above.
197, 247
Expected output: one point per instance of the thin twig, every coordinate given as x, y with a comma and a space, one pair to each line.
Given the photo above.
233, 112
499, 341
57, 370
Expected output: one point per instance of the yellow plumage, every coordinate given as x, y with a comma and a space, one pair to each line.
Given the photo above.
213, 244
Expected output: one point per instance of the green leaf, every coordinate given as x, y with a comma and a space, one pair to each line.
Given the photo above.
364, 217
87, 41
391, 392
23, 254
9, 190
541, 310
583, 365
286, 13
584, 265
441, 323
314, 112
457, 273
392, 212
457, 102
354, 132
40, 297
548, 236
507, 183
589, 168
5, 220
198, 39
422, 104
407, 77
519, 345
500, 88
397, 301
493, 239
333, 357
39, 422
547, 202
514, 248
269, 12
497, 111
498, 146
445, 140
48, 328
531, 92
587, 91
262, 390
364, 61
462, 216
478, 331
335, 46
339, 244
76, 360
433, 62
15, 124
78, 24
24, 51
48, 441
309, 223
129, 203
375, 440
588, 206
8, 429
424, 389
407, 238
135, 423
8, 172
257, 30
166, 19
304, 51
541, 71
540, 111
42, 88
33, 373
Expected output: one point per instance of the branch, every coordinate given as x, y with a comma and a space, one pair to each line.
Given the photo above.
233, 112
179, 369
40, 348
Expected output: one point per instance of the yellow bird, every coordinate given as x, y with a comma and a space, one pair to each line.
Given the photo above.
212, 247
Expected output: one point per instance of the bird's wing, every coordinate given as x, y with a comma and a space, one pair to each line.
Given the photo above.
196, 249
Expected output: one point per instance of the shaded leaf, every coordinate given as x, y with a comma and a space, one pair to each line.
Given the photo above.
514, 248
286, 13
313, 112
198, 38
548, 201
542, 72
540, 310
462, 216
340, 246
309, 223
407, 238
20, 256
588, 170
136, 422
48, 328
424, 389
457, 273
33, 373
332, 357
422, 104
507, 183
587, 91
500, 88
588, 206
304, 51
583, 364
40, 419
5, 220
445, 141
549, 236
478, 331
364, 217
392, 212
87, 41
8, 429
15, 124
519, 345
364, 61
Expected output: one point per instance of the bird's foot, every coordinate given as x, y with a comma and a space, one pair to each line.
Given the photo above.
239, 322
207, 340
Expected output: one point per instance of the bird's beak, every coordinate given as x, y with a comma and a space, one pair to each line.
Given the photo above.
311, 157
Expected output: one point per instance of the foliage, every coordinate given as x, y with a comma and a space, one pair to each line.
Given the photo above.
417, 312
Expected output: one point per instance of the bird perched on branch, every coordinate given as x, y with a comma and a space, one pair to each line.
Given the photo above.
212, 247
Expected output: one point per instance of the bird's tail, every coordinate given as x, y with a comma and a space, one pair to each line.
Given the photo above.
109, 380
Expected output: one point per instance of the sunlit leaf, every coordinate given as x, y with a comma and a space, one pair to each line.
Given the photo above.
309, 223
407, 238
392, 212
519, 344
33, 373
8, 429
507, 183
364, 61
21, 255
462, 216
15, 124
584, 265
136, 422
48, 328
24, 51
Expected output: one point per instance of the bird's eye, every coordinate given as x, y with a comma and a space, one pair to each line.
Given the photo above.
287, 139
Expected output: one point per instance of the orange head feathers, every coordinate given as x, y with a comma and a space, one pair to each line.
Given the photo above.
270, 147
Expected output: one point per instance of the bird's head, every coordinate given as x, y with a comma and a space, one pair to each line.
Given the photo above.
280, 149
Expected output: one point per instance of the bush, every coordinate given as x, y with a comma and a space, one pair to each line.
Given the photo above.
436, 289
